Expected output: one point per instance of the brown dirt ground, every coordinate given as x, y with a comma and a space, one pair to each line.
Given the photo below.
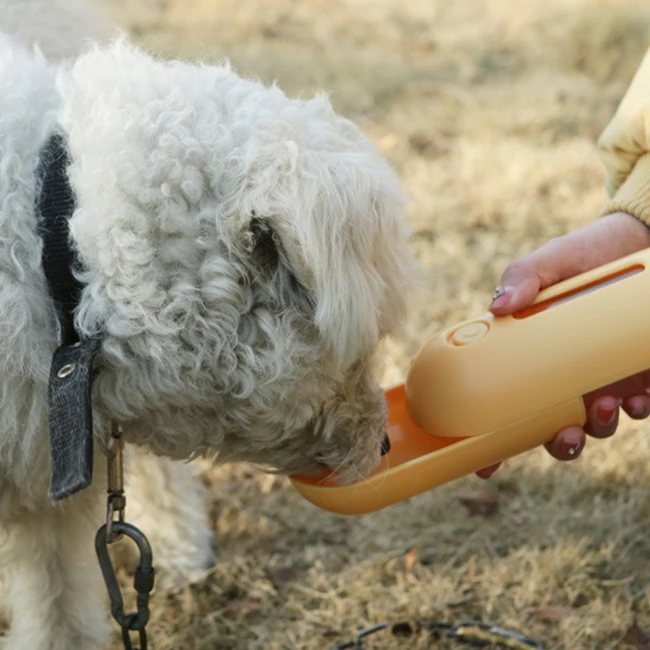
489, 110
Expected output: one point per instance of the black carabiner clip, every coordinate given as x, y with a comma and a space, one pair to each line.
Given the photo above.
143, 580
126, 638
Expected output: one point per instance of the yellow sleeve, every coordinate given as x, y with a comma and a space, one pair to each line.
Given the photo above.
624, 149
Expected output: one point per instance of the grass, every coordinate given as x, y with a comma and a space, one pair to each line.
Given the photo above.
490, 111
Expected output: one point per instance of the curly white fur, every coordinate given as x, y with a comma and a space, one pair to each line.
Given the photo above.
244, 253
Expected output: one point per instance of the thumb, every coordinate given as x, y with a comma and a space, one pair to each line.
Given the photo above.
524, 278
519, 286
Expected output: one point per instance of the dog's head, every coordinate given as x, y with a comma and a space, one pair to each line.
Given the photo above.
245, 254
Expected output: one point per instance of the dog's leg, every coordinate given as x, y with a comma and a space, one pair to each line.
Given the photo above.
167, 501
52, 584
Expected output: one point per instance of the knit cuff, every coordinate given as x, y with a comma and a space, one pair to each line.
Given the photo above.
633, 196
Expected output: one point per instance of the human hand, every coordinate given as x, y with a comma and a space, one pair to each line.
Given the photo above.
598, 243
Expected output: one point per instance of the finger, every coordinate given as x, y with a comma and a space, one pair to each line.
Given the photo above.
568, 444
523, 279
520, 292
564, 257
637, 407
602, 417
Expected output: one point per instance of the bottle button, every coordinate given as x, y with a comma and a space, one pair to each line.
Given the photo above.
469, 333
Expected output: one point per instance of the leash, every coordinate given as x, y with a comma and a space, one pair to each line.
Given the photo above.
114, 529
475, 633
70, 396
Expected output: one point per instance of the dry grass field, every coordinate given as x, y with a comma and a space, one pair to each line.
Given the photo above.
489, 110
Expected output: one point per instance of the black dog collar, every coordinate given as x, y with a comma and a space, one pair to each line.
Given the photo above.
71, 373
56, 204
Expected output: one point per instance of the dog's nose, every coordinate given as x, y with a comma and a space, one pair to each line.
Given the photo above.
385, 446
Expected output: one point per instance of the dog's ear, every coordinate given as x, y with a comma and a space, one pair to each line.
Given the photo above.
352, 238
263, 244
273, 272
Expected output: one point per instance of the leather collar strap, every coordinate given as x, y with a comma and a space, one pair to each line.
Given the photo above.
71, 373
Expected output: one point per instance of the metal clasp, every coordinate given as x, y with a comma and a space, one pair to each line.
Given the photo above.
110, 532
143, 581
116, 502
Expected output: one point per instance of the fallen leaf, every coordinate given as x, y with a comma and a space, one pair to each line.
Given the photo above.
480, 502
410, 558
552, 612
637, 638
283, 575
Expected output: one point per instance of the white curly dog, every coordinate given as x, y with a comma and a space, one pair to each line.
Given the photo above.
243, 253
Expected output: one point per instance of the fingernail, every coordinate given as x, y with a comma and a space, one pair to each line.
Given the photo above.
573, 448
639, 409
501, 296
572, 451
606, 415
